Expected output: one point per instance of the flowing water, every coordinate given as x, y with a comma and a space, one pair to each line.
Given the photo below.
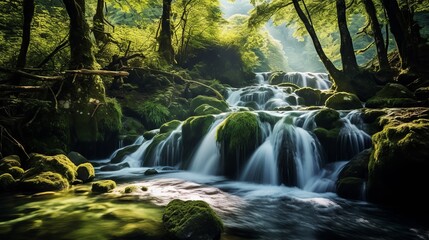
284, 190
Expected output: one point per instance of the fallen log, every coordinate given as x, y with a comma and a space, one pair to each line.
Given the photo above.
98, 72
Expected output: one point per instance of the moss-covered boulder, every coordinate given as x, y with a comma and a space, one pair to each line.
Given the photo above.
311, 96
60, 164
238, 136
103, 186
206, 109
193, 130
353, 176
44, 181
122, 153
276, 78
422, 93
85, 172
326, 118
328, 139
170, 126
10, 161
392, 95
16, 172
211, 101
7, 182
77, 158
192, 220
343, 101
399, 165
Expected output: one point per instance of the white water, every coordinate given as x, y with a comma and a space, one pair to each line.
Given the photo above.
308, 79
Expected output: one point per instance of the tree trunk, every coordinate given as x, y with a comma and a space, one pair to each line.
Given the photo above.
98, 21
28, 10
82, 55
332, 70
378, 36
165, 46
402, 32
348, 58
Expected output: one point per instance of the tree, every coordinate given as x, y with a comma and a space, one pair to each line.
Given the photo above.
28, 11
98, 20
165, 45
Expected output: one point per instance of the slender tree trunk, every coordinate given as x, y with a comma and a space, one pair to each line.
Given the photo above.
333, 71
348, 58
383, 61
165, 46
402, 31
98, 21
82, 55
28, 10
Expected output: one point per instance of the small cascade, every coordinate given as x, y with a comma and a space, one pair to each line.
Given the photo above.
168, 152
135, 158
308, 79
352, 140
206, 159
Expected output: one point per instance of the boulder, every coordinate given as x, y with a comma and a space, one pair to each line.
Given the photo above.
44, 181
276, 77
392, 95
206, 109
77, 158
7, 182
343, 101
193, 130
150, 172
422, 93
311, 96
326, 118
192, 220
170, 126
85, 172
103, 186
16, 172
122, 153
60, 164
351, 188
211, 101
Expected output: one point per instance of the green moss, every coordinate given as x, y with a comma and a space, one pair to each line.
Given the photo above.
311, 96
109, 120
7, 182
44, 181
238, 131
170, 126
85, 172
58, 164
326, 118
16, 172
103, 186
392, 103
191, 220
270, 118
131, 127
193, 129
12, 160
121, 154
130, 189
206, 109
392, 95
211, 101
288, 85
276, 77
154, 114
343, 101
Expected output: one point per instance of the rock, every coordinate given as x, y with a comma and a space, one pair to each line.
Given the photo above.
326, 118
328, 139
193, 130
7, 182
77, 158
399, 165
44, 181
353, 176
170, 126
237, 135
392, 95
11, 160
150, 172
130, 189
206, 109
16, 172
192, 220
422, 93
114, 167
150, 134
85, 172
121, 154
60, 164
311, 96
103, 186
343, 101
211, 101
276, 78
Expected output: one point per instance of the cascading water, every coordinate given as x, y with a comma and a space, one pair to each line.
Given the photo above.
308, 79
287, 151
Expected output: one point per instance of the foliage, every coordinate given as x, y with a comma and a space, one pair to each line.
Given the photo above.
154, 114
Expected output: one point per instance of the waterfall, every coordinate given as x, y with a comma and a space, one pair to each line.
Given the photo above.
168, 152
135, 158
307, 79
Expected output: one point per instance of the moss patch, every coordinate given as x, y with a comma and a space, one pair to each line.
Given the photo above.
58, 164
45, 181
7, 182
85, 172
326, 118
343, 101
211, 101
206, 109
170, 126
191, 220
103, 186
311, 96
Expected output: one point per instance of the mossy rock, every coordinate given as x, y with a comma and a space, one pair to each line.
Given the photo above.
422, 93
357, 167
328, 139
103, 186
121, 154
7, 182
392, 103
392, 95
16, 172
206, 109
150, 134
85, 172
326, 118
193, 130
276, 78
170, 126
77, 158
343, 101
238, 135
311, 96
150, 172
131, 189
325, 94
11, 160
192, 220
60, 164
400, 160
44, 181
211, 101
351, 188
